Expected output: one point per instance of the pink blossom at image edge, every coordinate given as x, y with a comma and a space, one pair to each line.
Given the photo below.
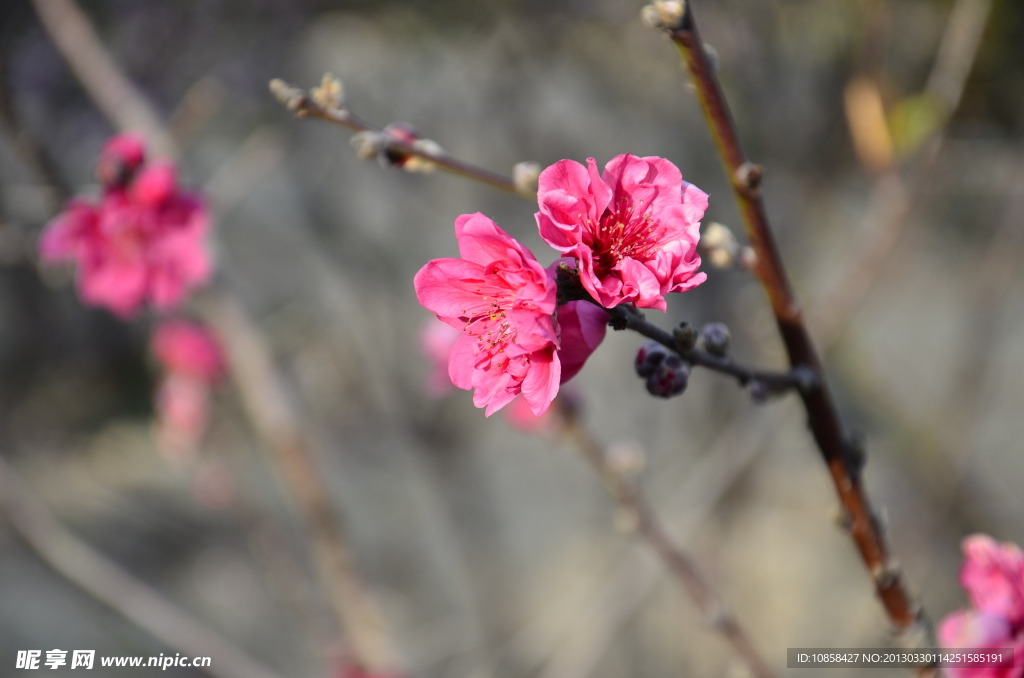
993, 576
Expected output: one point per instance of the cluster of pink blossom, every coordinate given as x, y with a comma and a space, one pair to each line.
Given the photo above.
993, 576
144, 240
631, 232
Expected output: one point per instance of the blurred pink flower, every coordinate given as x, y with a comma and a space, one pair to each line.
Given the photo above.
993, 576
143, 241
189, 349
634, 229
193, 363
503, 302
121, 156
436, 342
519, 415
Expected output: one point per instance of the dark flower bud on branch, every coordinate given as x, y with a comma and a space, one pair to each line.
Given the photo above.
649, 358
715, 337
669, 378
686, 336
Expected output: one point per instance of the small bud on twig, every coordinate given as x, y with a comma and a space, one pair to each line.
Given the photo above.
627, 460
664, 15
367, 144
719, 245
291, 96
670, 378
686, 336
330, 95
715, 337
525, 175
649, 358
394, 156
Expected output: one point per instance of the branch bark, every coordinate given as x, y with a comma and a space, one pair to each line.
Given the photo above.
843, 458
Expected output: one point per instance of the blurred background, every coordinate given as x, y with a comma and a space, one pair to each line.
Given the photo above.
891, 136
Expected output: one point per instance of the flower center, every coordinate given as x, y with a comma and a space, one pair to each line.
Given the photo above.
624, 230
487, 321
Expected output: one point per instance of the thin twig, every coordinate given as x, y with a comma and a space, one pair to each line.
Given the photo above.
628, 317
250, 359
271, 414
297, 100
679, 563
844, 460
112, 92
114, 587
777, 382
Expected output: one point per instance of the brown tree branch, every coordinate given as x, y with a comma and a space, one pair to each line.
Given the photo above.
844, 460
306, 105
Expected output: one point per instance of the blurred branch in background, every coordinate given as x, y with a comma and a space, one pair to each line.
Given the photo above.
579, 648
250, 359
41, 168
111, 585
619, 476
112, 92
904, 162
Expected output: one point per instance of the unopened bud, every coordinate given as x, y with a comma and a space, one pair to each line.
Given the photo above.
406, 134
367, 144
716, 338
748, 259
719, 245
759, 391
665, 15
291, 96
649, 358
711, 54
525, 175
685, 336
626, 459
330, 94
670, 378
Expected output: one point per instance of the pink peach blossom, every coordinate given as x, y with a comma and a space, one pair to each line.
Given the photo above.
981, 631
143, 241
121, 156
993, 576
436, 342
581, 329
184, 347
503, 302
633, 229
193, 363
519, 415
